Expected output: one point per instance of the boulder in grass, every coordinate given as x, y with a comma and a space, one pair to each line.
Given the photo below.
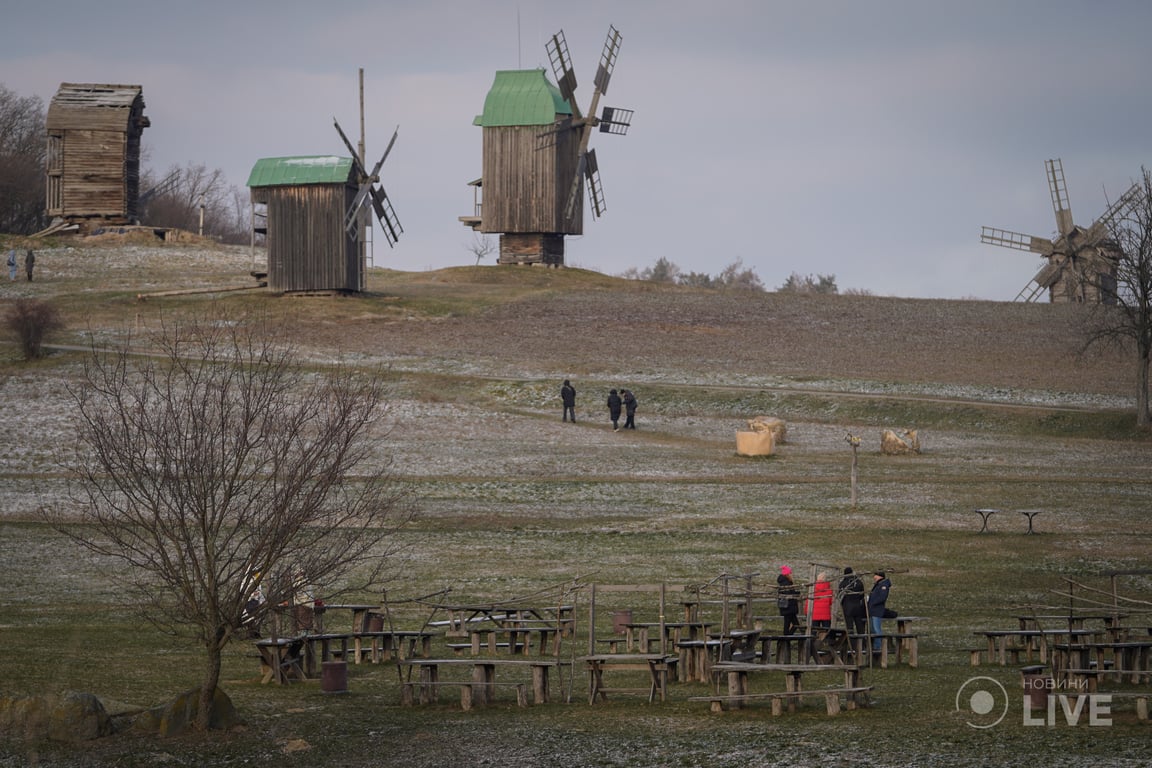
179, 715
56, 717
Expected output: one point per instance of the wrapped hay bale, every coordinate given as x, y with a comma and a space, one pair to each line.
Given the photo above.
755, 443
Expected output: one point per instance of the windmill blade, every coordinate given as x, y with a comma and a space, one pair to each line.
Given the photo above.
351, 150
386, 216
574, 196
595, 191
376, 169
1016, 240
608, 59
1122, 207
562, 68
1059, 190
615, 120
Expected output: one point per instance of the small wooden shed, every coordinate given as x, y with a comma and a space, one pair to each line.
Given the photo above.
303, 203
528, 168
93, 159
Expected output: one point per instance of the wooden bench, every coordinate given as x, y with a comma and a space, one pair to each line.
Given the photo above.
831, 698
424, 690
1141, 698
460, 648
483, 676
893, 642
1092, 675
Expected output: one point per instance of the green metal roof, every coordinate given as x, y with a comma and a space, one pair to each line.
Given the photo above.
282, 171
522, 97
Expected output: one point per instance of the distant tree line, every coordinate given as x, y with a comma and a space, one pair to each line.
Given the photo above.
735, 276
172, 200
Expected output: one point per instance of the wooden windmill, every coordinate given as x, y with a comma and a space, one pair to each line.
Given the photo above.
536, 157
1081, 262
315, 213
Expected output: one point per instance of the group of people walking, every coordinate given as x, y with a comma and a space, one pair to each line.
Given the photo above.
858, 608
619, 402
29, 263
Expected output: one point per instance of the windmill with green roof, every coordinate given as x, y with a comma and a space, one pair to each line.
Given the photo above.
536, 156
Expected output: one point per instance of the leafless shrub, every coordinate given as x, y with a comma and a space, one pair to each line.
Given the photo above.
31, 321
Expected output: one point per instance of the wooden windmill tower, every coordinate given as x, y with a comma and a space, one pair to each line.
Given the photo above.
1081, 262
536, 156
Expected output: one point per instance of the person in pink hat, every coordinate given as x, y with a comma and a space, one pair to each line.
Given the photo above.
787, 600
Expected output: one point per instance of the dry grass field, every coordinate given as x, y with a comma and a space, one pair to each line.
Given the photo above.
512, 501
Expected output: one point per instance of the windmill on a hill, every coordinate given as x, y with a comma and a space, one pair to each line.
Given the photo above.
536, 157
1081, 262
315, 213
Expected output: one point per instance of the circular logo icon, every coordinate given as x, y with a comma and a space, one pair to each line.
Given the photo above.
983, 701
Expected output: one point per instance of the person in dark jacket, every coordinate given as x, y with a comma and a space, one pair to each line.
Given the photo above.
852, 602
787, 600
629, 409
614, 410
568, 397
877, 605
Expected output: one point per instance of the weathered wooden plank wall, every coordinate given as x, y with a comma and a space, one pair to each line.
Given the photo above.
525, 186
308, 247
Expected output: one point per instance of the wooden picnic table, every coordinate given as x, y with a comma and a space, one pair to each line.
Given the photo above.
1071, 620
778, 649
1031, 640
518, 636
657, 665
361, 614
461, 617
1132, 659
693, 606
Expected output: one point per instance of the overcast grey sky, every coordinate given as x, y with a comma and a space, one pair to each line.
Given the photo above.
869, 140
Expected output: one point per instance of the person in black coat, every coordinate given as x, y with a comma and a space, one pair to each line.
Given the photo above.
852, 602
629, 409
614, 410
568, 397
878, 605
787, 600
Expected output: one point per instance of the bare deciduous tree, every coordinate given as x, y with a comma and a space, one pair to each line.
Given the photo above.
1124, 317
481, 246
22, 150
214, 457
225, 207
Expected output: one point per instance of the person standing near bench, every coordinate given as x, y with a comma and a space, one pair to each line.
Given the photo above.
878, 606
821, 606
568, 397
852, 602
786, 594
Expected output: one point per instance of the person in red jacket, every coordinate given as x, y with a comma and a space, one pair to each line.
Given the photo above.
820, 607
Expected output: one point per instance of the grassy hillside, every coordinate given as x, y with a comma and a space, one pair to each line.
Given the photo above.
513, 502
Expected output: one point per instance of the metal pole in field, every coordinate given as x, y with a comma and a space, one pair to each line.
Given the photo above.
853, 441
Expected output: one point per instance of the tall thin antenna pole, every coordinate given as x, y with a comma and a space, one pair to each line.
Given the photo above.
363, 156
519, 44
